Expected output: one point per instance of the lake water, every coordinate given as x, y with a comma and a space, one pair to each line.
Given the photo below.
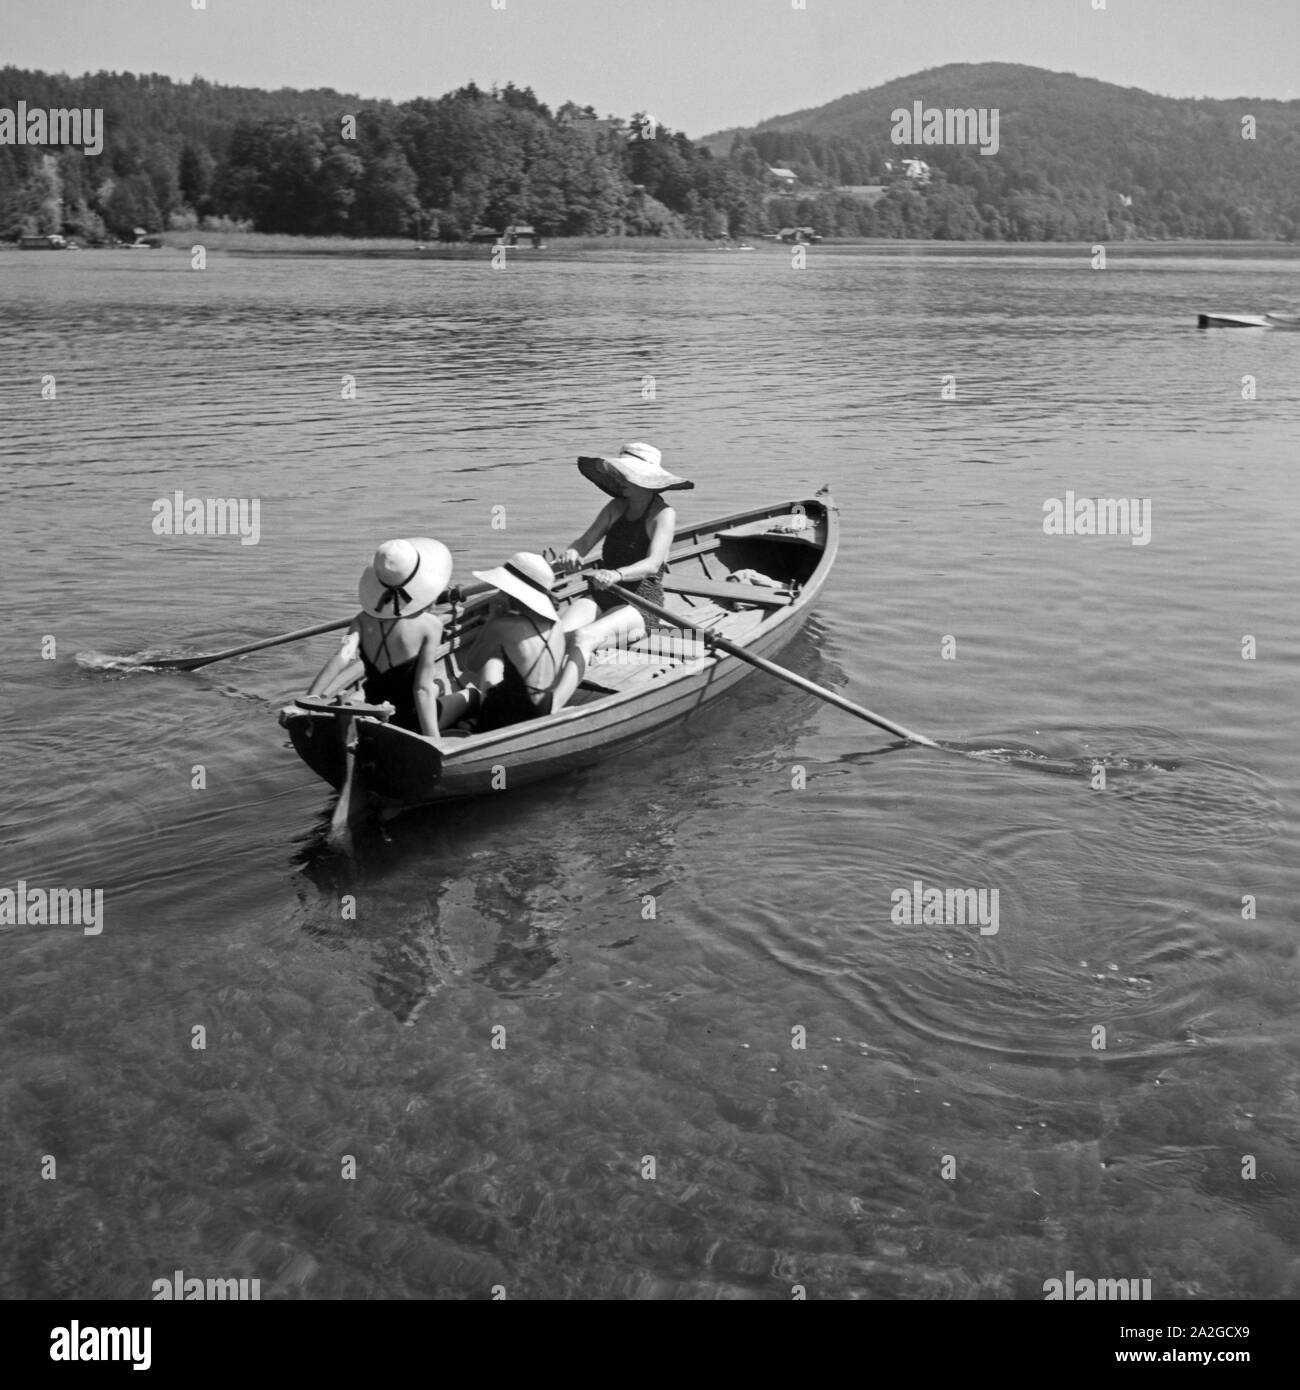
956, 1126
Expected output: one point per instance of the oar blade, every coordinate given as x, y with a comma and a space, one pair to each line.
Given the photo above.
174, 663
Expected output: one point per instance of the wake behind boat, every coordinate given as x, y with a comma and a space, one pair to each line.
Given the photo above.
715, 578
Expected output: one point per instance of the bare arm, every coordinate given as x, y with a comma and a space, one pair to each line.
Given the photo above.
604, 520
426, 685
342, 660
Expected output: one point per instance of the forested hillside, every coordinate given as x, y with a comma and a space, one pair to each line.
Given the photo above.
1078, 159
180, 154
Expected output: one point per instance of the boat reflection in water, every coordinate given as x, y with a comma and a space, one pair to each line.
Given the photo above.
494, 891
484, 893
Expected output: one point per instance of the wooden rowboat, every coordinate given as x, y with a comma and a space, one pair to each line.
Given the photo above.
628, 696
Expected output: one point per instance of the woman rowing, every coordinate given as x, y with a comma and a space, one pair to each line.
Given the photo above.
392, 644
637, 529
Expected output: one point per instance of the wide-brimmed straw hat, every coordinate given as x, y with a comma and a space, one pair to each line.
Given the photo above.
636, 463
404, 578
526, 577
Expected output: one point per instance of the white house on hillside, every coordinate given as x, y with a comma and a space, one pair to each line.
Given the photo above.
915, 169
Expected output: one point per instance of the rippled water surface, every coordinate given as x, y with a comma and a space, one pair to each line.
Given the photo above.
772, 831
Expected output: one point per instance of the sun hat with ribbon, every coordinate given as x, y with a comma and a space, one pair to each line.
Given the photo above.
405, 577
526, 577
636, 463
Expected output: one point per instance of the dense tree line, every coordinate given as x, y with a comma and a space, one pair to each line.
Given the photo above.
180, 155
1078, 160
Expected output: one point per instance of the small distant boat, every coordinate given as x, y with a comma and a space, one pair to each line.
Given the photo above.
520, 232
627, 697
517, 236
1232, 321
52, 242
797, 236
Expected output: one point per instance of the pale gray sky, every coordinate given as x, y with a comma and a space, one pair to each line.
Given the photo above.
697, 65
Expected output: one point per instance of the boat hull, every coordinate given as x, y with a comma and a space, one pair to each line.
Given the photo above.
644, 695
398, 766
1232, 321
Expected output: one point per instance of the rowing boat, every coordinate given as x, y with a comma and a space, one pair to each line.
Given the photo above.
1232, 321
628, 696
1283, 321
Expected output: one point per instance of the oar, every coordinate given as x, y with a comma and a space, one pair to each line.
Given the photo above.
192, 663
780, 672
459, 593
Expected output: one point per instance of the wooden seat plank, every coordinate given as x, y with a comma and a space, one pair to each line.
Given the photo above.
725, 592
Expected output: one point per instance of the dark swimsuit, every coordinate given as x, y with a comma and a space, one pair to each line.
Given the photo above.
626, 543
396, 685
513, 700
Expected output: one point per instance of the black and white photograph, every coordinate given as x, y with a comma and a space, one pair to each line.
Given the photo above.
650, 654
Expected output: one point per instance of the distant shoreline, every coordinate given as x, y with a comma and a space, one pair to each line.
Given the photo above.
570, 248
264, 244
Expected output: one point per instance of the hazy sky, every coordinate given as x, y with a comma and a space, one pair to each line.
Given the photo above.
696, 65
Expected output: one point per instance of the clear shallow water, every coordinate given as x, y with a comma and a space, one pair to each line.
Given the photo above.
628, 1037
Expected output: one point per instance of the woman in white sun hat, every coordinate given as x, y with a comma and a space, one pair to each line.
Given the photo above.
522, 659
637, 529
392, 644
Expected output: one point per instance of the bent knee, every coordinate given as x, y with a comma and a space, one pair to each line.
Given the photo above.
578, 614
